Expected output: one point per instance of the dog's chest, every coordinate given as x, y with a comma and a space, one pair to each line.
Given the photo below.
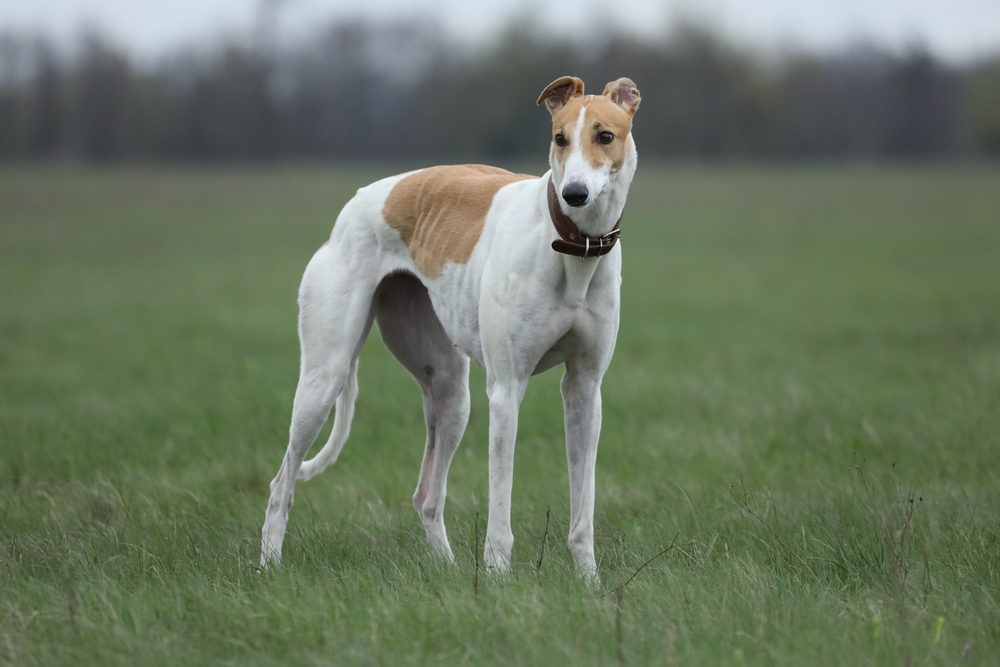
543, 317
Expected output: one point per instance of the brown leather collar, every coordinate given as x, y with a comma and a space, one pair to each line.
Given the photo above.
574, 242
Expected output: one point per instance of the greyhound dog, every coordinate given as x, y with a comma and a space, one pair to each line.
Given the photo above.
516, 272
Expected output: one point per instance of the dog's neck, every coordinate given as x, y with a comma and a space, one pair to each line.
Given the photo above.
571, 240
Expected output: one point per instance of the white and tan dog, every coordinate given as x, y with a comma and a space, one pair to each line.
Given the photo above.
461, 262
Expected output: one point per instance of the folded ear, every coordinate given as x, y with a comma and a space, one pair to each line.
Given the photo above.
624, 93
559, 92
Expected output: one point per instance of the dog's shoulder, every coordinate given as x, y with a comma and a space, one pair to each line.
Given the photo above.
440, 212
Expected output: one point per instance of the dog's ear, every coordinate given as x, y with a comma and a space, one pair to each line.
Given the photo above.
624, 93
559, 92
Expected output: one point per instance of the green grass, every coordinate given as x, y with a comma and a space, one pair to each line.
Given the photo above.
801, 348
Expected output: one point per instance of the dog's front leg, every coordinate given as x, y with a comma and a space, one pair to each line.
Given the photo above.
581, 393
505, 401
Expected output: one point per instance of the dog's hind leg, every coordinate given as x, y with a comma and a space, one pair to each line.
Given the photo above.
342, 418
412, 332
335, 315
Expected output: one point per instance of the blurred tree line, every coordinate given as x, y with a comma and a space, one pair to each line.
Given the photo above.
404, 90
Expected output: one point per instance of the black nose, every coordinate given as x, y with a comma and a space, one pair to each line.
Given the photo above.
575, 194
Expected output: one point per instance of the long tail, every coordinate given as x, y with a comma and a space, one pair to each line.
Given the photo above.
341, 428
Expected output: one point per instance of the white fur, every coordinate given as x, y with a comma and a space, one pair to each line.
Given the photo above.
516, 308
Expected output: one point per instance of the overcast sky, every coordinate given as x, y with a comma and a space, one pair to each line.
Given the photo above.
954, 29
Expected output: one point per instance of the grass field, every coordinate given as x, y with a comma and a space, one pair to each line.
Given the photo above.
804, 403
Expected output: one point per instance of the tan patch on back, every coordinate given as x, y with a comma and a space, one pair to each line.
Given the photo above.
440, 212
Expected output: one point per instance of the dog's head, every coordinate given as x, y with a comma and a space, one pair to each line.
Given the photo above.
591, 136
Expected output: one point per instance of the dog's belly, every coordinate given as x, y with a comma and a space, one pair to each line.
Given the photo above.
455, 297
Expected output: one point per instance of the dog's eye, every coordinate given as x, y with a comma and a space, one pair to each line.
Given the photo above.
605, 137
560, 140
